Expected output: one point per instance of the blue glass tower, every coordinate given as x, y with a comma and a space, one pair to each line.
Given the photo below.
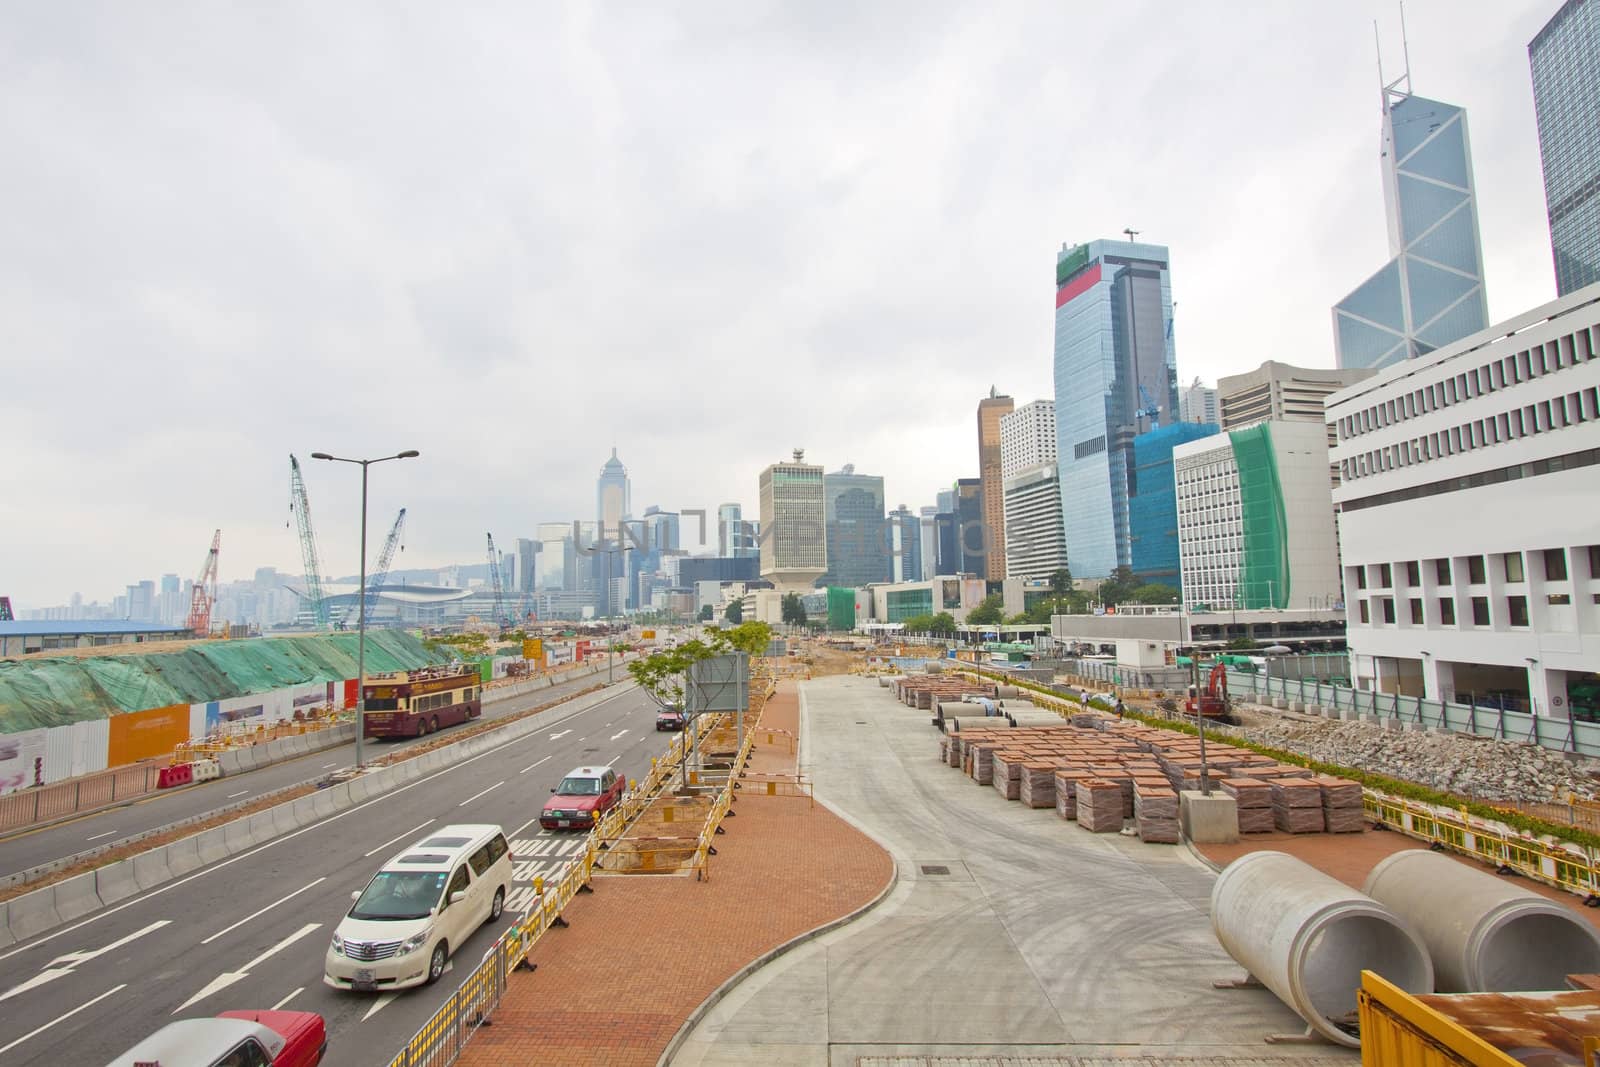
1153, 501
1565, 60
1115, 374
1430, 293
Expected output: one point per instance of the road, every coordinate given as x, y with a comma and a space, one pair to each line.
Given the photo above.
251, 931
30, 848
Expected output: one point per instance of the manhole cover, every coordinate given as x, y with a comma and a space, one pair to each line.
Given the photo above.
932, 868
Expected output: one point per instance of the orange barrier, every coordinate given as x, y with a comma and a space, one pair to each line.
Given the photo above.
178, 774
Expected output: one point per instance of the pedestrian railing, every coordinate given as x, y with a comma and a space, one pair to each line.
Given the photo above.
29, 806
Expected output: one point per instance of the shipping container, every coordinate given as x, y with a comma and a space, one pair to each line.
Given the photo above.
1398, 1029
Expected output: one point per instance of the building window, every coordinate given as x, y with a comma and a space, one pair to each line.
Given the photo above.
1413, 574
1558, 598
1416, 611
1385, 576
1388, 609
1480, 611
1517, 610
1594, 561
1475, 570
1555, 565
1514, 567
1365, 616
1441, 571
1361, 573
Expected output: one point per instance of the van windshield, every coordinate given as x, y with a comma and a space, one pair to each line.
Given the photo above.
400, 895
579, 787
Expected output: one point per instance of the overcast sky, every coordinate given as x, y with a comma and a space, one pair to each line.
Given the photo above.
511, 235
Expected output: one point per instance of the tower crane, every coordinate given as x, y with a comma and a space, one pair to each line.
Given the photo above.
205, 591
308, 543
501, 616
381, 574
1150, 409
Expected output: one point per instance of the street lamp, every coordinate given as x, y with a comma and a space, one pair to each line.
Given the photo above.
361, 623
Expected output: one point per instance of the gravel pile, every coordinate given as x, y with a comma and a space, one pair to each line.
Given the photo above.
1484, 768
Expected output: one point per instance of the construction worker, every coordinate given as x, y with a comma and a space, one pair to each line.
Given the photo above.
1119, 707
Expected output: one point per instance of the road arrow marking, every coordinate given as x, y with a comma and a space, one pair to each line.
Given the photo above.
615, 736
378, 1005
227, 978
64, 965
563, 733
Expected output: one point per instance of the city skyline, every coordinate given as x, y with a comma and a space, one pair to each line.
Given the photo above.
304, 268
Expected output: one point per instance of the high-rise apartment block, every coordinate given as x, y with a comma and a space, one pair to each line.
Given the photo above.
1198, 403
1028, 437
1115, 365
1565, 58
794, 546
1430, 293
1036, 544
858, 538
991, 410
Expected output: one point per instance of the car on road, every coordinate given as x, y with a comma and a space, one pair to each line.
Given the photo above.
419, 908
583, 796
234, 1039
671, 718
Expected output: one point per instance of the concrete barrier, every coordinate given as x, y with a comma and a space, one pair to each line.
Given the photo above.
5, 924
78, 895
212, 845
183, 856
305, 809
229, 761
263, 826
284, 818
32, 913
151, 869
237, 836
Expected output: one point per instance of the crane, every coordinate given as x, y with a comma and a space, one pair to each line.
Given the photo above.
501, 617
1151, 410
381, 573
308, 543
205, 591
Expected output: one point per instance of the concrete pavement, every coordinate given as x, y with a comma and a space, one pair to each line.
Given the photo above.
1008, 933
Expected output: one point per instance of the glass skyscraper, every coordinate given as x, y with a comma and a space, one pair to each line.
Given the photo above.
1430, 293
1565, 58
857, 534
1116, 374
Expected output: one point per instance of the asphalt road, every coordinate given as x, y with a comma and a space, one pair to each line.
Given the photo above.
30, 848
251, 931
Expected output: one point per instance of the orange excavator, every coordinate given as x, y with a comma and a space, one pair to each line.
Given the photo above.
1212, 702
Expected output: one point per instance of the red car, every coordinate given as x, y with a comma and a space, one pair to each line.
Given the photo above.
279, 1038
670, 719
583, 796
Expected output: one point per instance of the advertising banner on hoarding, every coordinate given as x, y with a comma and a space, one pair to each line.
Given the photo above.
533, 648
139, 735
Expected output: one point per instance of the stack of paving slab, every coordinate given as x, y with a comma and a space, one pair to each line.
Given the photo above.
1341, 805
927, 691
1252, 798
1038, 784
1155, 809
1099, 806
1007, 773
1297, 805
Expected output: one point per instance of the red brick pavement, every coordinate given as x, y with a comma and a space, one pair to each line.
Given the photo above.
643, 951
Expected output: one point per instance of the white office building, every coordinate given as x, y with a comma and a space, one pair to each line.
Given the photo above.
1027, 437
1255, 520
1036, 539
1470, 529
1198, 403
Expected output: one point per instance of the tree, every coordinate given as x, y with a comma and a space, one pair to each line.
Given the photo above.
1061, 580
1120, 586
706, 613
734, 612
988, 613
917, 624
1154, 593
1020, 619
794, 611
943, 623
663, 674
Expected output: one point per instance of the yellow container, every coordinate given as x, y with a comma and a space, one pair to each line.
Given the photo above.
1399, 1029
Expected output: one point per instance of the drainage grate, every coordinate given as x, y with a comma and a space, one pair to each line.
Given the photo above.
591, 750
932, 868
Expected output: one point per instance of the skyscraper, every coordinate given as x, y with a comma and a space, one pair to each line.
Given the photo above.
905, 545
557, 559
991, 410
609, 548
972, 533
1430, 293
929, 540
1035, 543
1153, 501
735, 540
1197, 403
611, 495
1566, 98
1114, 365
527, 564
858, 539
794, 546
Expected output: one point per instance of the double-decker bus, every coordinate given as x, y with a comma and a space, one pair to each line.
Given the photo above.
416, 703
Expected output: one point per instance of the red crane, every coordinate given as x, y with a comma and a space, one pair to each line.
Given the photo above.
205, 591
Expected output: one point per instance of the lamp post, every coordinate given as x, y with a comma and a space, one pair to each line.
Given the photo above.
361, 621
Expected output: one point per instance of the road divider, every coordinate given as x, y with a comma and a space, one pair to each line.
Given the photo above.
37, 912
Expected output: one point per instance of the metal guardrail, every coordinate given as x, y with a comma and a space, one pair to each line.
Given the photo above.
29, 806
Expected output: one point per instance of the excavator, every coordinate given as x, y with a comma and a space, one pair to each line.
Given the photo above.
1212, 702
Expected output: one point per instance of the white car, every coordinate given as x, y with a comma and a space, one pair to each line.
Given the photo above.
419, 908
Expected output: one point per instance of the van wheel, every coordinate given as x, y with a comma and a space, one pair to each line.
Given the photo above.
441, 952
499, 905
435, 726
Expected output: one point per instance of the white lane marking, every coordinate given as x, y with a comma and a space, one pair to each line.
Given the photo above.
107, 912
617, 735
396, 837
63, 1017
513, 834
531, 766
227, 978
240, 793
562, 734
335, 763
97, 837
585, 737
63, 965
381, 1003
288, 998
475, 796
254, 914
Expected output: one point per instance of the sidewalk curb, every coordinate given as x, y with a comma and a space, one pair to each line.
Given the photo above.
1201, 856
717, 995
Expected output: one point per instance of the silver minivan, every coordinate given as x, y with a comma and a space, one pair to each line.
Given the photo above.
419, 908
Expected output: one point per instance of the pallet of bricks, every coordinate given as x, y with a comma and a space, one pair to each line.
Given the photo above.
926, 691
1103, 775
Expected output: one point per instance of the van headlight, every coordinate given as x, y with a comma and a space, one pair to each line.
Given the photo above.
338, 945
415, 941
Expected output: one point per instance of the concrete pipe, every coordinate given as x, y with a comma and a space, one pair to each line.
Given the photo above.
1307, 937
1008, 692
1485, 935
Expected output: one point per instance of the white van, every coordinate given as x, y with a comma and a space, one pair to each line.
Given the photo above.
420, 908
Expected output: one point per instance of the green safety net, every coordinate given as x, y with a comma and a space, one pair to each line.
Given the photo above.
841, 608
59, 691
1264, 559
